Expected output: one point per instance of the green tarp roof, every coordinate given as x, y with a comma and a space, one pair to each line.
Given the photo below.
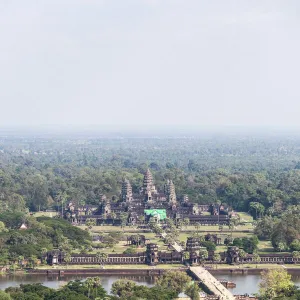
156, 212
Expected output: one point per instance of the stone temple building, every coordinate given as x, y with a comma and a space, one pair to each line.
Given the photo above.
138, 208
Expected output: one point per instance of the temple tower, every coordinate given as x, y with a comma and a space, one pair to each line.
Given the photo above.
170, 192
148, 185
152, 254
126, 191
185, 199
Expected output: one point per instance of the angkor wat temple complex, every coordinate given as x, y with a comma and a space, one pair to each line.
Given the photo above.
147, 203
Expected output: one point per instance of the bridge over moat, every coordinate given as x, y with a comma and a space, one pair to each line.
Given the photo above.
215, 286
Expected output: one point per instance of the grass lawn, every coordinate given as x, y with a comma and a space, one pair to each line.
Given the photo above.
265, 247
245, 217
44, 214
259, 266
204, 228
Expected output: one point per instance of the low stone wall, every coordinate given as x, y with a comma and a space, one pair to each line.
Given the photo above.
145, 272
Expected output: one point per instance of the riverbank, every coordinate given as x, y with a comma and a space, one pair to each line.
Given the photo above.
157, 270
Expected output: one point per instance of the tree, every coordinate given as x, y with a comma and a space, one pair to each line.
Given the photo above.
250, 244
193, 290
243, 254
296, 256
275, 283
90, 223
89, 282
186, 255
174, 280
113, 216
258, 208
180, 224
265, 227
21, 261
203, 255
141, 219
61, 197
210, 246
186, 222
123, 288
101, 257
295, 245
94, 283
231, 228
2, 227
256, 258
281, 247
67, 258
4, 296
123, 218
197, 226
33, 261
216, 257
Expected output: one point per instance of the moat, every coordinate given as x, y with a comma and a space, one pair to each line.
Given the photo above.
244, 283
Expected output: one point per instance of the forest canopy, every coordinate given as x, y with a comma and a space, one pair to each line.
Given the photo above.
256, 174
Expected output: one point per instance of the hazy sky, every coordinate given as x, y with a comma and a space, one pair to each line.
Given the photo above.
212, 62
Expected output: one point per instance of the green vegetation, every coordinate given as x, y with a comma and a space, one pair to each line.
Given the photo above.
277, 284
259, 178
258, 175
169, 285
90, 289
19, 247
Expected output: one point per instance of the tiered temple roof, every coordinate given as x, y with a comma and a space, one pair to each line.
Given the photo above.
170, 191
148, 185
126, 191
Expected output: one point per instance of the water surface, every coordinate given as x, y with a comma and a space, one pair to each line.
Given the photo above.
245, 283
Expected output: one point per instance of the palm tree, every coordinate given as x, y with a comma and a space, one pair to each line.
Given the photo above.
180, 224
89, 284
96, 284
43, 251
232, 224
243, 254
256, 258
90, 223
20, 261
186, 222
186, 255
98, 256
113, 216
203, 255
123, 218
101, 257
61, 197
33, 260
216, 257
218, 202
197, 226
142, 219
67, 258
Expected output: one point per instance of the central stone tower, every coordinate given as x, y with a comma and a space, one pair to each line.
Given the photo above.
148, 186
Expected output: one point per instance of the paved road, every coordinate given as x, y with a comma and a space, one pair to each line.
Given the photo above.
212, 283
